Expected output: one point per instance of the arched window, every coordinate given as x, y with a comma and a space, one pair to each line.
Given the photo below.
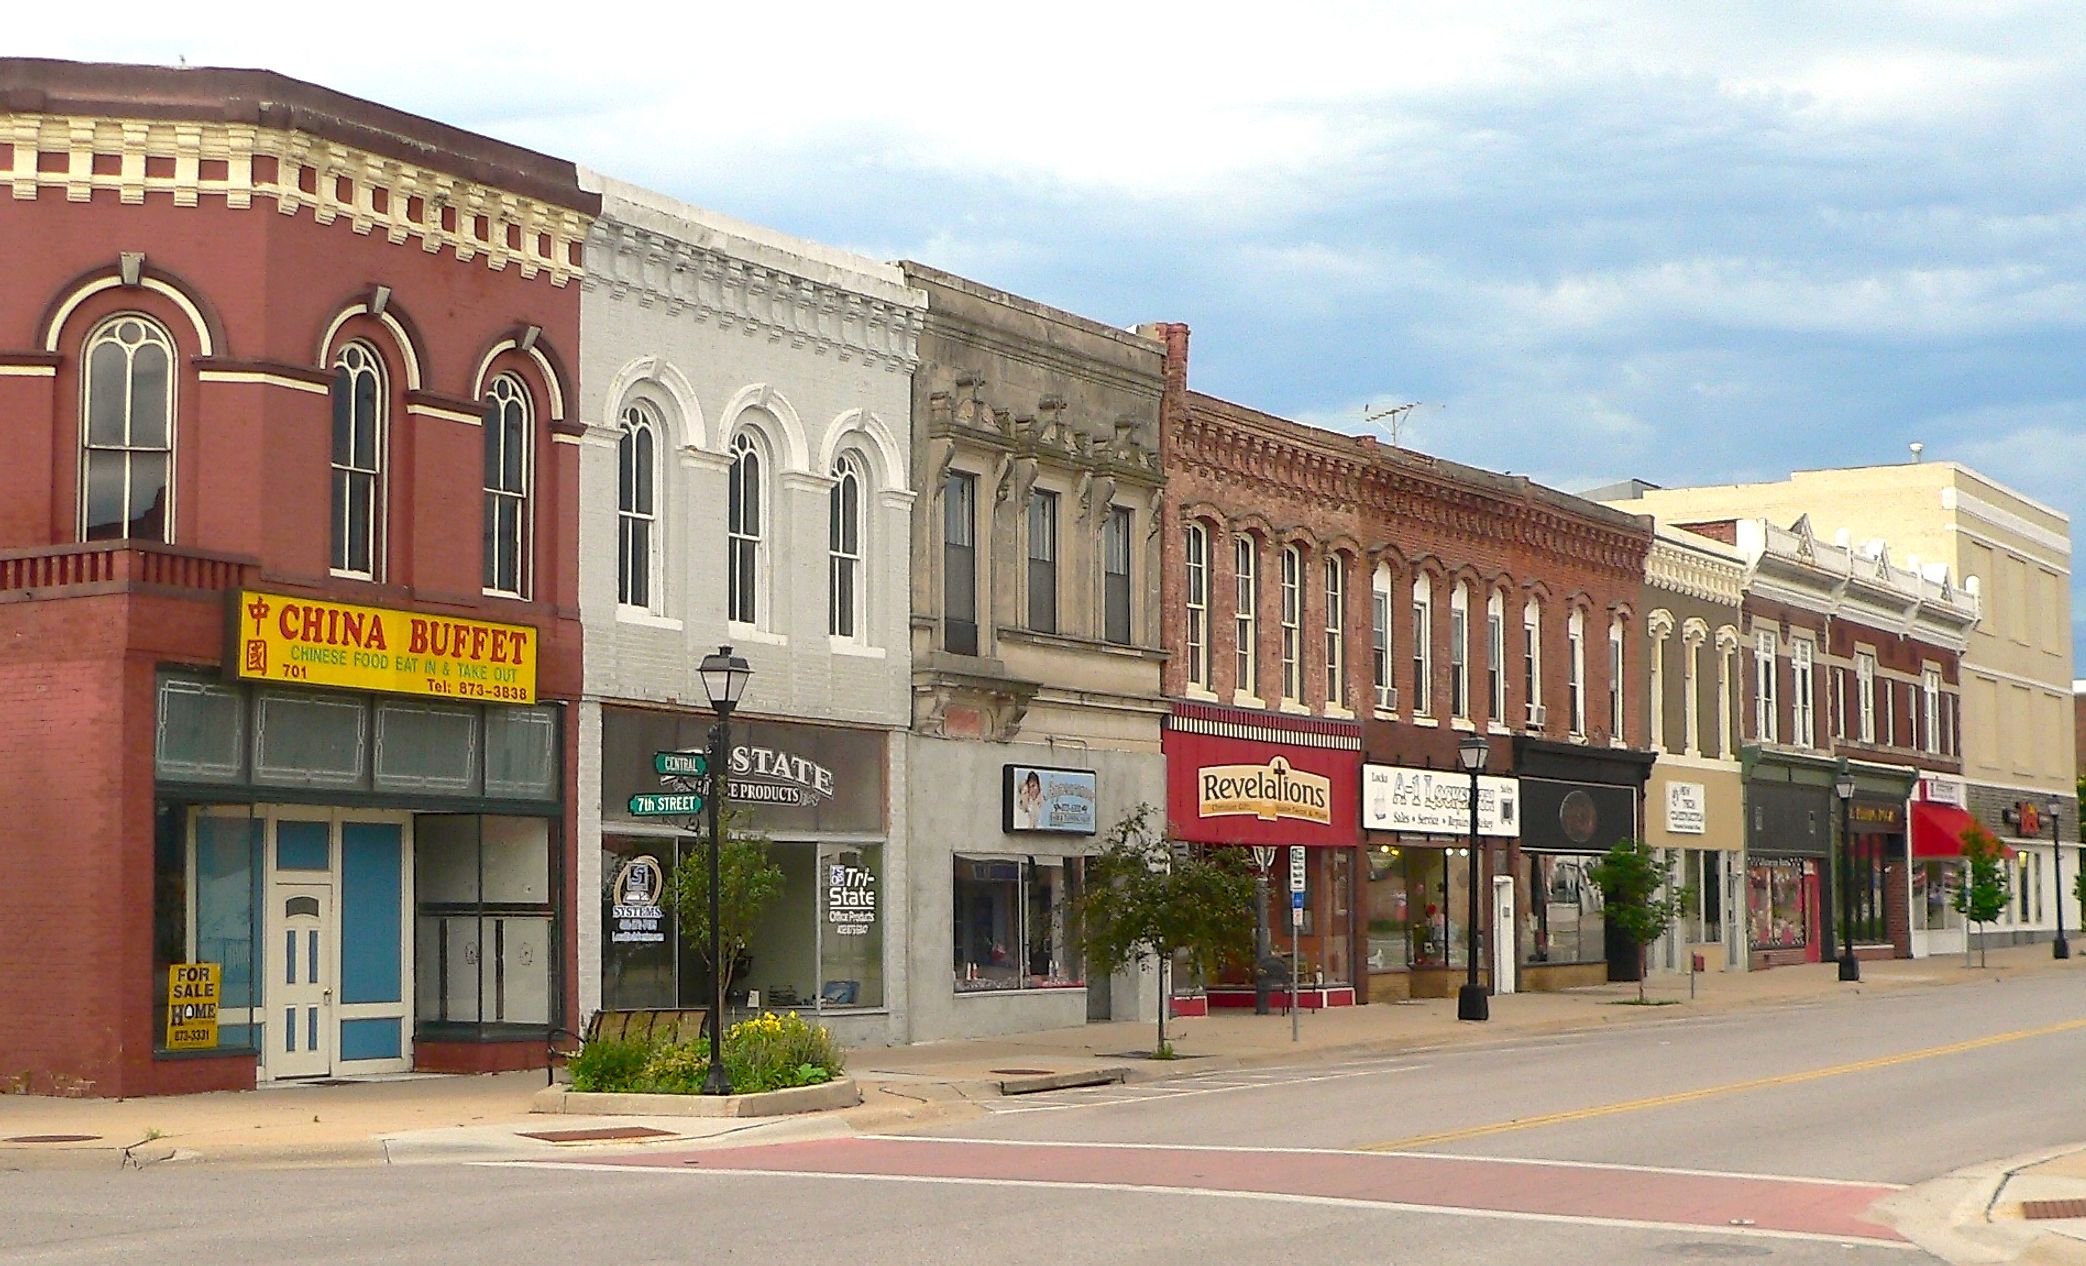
1459, 651
1496, 657
1422, 645
1292, 623
127, 442
1335, 631
358, 455
637, 507
1575, 670
844, 549
1246, 617
507, 432
1198, 565
1380, 639
1532, 663
743, 526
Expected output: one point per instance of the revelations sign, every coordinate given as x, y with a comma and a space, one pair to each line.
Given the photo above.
307, 641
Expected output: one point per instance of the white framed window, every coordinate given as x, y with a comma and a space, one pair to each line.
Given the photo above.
1459, 651
960, 563
1380, 639
1496, 655
1766, 706
359, 407
745, 521
1803, 719
127, 432
637, 509
844, 550
1532, 658
1197, 548
1575, 669
1422, 645
1246, 618
1929, 711
1839, 702
1890, 715
1115, 576
1292, 623
1865, 695
1042, 572
509, 428
1615, 681
1335, 631
1691, 697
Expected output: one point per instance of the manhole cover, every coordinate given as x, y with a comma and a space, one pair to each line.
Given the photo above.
1712, 1249
602, 1135
2053, 1208
55, 1138
1022, 1072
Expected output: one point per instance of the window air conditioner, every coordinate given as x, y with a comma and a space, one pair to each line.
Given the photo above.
1387, 698
1538, 716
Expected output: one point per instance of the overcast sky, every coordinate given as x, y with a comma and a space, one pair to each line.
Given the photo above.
1684, 242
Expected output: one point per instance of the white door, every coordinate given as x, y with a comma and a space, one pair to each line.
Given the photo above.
1503, 934
300, 1012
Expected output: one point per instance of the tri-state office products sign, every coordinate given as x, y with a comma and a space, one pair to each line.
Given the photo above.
310, 642
850, 899
636, 916
1035, 798
192, 994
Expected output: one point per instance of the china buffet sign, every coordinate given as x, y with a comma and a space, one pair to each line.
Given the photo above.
1267, 792
315, 643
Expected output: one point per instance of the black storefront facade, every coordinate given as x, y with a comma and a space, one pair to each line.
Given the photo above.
1577, 802
1790, 812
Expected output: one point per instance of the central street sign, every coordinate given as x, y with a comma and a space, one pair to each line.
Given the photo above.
657, 806
680, 764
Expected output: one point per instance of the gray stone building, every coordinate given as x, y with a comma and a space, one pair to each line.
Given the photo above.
746, 478
1036, 707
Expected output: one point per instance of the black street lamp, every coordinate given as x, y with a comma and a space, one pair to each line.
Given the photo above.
1471, 1003
724, 680
2060, 948
1843, 786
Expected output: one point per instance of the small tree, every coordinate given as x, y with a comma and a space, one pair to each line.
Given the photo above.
1986, 886
1142, 901
1636, 883
748, 881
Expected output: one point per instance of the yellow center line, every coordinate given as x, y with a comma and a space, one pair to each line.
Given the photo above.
1709, 1092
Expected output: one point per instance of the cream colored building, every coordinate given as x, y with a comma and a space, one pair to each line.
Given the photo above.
2015, 553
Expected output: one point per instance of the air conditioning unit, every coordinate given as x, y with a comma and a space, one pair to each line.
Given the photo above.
1538, 716
1386, 698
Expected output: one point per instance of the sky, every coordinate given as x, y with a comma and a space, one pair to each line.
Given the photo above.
1591, 241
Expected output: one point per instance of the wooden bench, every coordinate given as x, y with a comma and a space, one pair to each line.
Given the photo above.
655, 1025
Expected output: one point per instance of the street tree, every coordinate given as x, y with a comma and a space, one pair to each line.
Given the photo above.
1986, 887
1639, 897
748, 882
1146, 898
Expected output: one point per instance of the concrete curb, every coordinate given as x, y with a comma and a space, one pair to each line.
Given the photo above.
774, 1103
1952, 1216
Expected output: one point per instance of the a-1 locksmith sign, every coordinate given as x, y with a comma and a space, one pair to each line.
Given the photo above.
310, 642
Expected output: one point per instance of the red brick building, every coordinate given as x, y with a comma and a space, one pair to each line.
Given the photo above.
287, 583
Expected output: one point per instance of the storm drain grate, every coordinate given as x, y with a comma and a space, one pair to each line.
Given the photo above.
2042, 1209
1022, 1072
603, 1135
55, 1138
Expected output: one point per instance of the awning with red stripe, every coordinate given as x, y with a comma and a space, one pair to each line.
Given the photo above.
1937, 830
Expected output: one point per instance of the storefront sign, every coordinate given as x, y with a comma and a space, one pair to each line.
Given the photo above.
1875, 817
1940, 789
766, 775
1687, 809
850, 899
1437, 802
192, 993
1268, 792
309, 642
635, 914
1033, 798
1576, 817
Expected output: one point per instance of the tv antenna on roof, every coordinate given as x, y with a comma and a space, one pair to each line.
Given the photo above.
1389, 421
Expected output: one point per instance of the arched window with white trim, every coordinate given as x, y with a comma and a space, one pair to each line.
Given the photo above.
508, 427
844, 549
1422, 645
1335, 631
1459, 651
127, 432
359, 401
744, 523
637, 508
1197, 545
1575, 670
1496, 657
1292, 623
1246, 616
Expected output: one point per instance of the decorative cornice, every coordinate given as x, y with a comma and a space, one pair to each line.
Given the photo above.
1043, 435
244, 164
1682, 570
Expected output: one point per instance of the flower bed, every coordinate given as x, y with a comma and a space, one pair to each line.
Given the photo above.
768, 1052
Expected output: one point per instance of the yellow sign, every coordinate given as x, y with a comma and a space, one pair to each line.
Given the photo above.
315, 643
192, 1006
1267, 792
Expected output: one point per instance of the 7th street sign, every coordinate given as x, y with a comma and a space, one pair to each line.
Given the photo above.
680, 764
662, 806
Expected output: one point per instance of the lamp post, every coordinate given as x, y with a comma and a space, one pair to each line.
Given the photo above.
2060, 948
1843, 786
724, 680
1471, 1003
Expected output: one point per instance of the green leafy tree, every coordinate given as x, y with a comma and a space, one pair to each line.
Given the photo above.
1637, 889
1144, 900
748, 881
1986, 886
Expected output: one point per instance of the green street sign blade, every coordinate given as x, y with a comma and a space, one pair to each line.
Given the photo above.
680, 764
657, 806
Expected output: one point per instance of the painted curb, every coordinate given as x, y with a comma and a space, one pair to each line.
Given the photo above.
774, 1103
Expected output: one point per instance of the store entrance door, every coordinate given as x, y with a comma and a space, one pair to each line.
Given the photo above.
1503, 934
301, 989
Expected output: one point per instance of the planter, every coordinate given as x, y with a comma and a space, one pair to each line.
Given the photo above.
774, 1103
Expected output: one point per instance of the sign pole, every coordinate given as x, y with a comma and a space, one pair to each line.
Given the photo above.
1296, 936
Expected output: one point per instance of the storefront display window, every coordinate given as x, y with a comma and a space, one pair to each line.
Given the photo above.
1388, 909
1933, 891
1866, 890
206, 886
1777, 904
1565, 913
1012, 923
484, 932
1438, 902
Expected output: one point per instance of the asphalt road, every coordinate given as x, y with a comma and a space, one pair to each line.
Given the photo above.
1761, 1136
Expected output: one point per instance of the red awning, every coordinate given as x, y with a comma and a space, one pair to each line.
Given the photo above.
1937, 830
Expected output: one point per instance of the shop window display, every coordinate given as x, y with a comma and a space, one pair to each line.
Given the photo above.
1777, 905
1012, 926
1565, 921
1933, 891
207, 901
485, 938
1437, 902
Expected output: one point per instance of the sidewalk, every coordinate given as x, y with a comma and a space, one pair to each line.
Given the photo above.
2002, 1211
429, 1117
